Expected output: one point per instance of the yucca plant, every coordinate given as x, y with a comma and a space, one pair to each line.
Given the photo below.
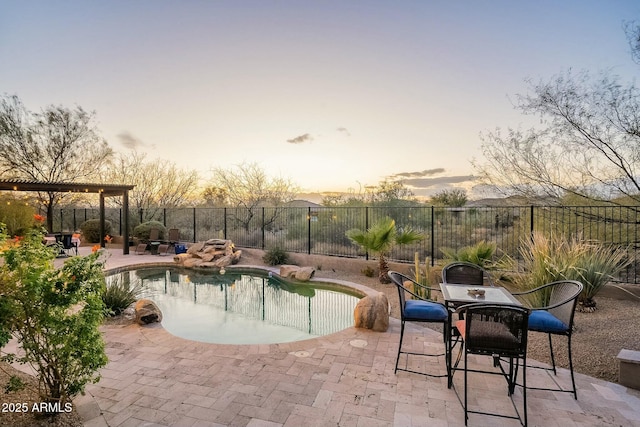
550, 258
380, 239
117, 296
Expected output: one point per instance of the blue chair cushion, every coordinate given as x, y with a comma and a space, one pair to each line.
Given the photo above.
543, 321
424, 310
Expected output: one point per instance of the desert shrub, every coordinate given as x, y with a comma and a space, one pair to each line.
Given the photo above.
480, 254
91, 230
119, 295
16, 215
368, 271
548, 259
275, 256
55, 314
143, 230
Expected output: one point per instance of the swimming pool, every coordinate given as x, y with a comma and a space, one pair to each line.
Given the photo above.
241, 307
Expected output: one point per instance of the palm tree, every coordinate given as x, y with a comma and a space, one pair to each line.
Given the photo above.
380, 239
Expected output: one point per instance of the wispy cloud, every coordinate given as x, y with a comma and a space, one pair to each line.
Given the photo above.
344, 130
300, 139
130, 141
419, 174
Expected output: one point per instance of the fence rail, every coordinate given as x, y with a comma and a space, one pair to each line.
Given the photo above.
321, 230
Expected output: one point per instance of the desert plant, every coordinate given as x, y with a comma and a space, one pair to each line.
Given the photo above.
16, 215
550, 258
275, 256
368, 271
119, 295
91, 230
55, 315
422, 276
480, 254
143, 230
380, 239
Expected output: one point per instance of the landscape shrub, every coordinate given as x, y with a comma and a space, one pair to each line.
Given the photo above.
119, 295
16, 215
91, 230
143, 230
275, 256
54, 313
547, 259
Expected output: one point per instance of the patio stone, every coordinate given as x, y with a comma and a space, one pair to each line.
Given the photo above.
333, 383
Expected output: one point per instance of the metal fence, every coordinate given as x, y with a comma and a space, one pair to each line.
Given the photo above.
321, 230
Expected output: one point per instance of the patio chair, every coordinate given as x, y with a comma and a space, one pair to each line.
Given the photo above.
154, 235
465, 273
163, 249
556, 318
66, 244
174, 236
419, 309
141, 248
498, 331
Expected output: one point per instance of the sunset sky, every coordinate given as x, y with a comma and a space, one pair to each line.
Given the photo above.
332, 94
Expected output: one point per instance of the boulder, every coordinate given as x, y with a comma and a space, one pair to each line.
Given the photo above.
372, 312
288, 270
304, 273
195, 248
179, 258
147, 312
212, 253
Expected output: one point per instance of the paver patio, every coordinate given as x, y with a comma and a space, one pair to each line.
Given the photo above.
344, 379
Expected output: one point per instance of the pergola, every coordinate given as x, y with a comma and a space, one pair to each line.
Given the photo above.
103, 190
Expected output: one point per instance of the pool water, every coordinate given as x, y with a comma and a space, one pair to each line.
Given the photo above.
241, 308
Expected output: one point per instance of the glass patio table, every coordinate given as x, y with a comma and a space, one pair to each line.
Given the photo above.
456, 295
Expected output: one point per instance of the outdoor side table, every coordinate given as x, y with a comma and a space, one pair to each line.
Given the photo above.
154, 247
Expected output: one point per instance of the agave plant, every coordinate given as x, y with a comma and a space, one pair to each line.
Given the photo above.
380, 239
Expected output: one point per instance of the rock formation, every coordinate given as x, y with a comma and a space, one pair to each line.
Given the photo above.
372, 312
147, 312
302, 274
214, 253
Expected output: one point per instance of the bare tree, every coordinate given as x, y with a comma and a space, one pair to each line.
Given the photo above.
248, 187
158, 183
55, 145
588, 143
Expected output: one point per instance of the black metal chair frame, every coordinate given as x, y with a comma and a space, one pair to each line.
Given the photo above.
399, 279
465, 273
563, 309
65, 242
512, 319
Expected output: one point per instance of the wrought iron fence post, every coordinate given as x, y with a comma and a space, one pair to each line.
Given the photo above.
263, 228
309, 229
531, 210
366, 227
433, 237
225, 223
194, 225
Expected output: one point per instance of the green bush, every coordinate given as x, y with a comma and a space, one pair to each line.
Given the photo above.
143, 230
479, 254
91, 230
55, 314
16, 215
275, 256
119, 295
